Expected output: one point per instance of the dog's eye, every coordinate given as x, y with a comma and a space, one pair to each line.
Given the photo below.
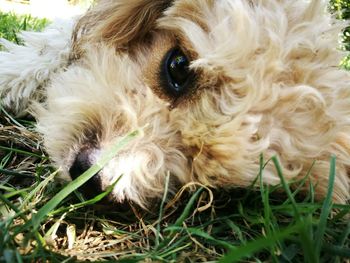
175, 73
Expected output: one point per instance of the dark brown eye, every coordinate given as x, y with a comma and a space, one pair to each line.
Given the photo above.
175, 73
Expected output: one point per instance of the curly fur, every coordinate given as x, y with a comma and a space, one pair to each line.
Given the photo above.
267, 82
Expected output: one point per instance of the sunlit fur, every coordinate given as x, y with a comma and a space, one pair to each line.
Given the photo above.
268, 83
26, 69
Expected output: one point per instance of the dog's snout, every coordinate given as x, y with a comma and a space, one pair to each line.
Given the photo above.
83, 161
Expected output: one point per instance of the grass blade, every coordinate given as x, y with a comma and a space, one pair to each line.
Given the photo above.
305, 235
188, 207
266, 204
166, 188
326, 208
91, 201
22, 152
200, 233
235, 255
286, 187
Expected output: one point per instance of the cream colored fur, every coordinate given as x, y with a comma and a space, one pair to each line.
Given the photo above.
26, 70
268, 82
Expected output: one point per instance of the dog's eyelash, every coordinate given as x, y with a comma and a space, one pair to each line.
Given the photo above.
176, 77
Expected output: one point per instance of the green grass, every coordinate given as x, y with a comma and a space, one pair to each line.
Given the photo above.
11, 24
43, 220
342, 9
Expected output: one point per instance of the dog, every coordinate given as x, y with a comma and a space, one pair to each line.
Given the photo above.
214, 84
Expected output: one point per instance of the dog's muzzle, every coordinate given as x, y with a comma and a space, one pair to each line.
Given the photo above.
83, 161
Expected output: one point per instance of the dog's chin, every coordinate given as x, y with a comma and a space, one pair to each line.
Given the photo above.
128, 172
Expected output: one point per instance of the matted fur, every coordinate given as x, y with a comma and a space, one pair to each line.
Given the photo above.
267, 82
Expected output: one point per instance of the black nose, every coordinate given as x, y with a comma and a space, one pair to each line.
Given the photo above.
83, 161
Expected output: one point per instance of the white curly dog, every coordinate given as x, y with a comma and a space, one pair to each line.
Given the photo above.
215, 84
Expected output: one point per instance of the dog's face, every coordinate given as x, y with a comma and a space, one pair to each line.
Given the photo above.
213, 84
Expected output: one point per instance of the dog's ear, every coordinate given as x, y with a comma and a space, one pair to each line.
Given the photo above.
118, 22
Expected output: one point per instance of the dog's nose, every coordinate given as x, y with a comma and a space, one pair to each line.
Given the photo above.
83, 161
